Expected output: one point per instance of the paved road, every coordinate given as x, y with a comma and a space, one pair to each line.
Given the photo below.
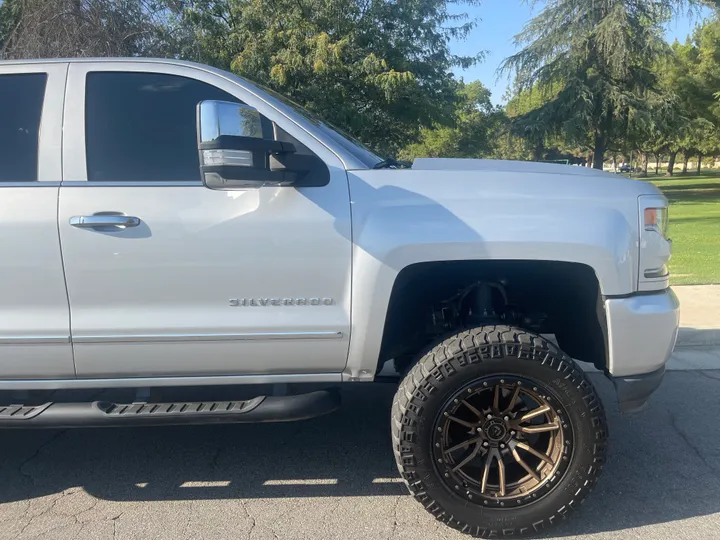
334, 477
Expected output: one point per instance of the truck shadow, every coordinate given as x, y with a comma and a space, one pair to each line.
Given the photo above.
662, 465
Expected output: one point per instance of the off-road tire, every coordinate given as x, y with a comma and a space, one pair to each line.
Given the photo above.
458, 361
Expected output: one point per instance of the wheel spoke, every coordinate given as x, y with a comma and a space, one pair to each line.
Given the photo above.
541, 428
476, 412
513, 400
486, 472
532, 472
467, 459
535, 453
492, 454
463, 445
462, 422
496, 399
501, 475
535, 413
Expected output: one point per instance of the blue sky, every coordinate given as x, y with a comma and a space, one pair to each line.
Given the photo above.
499, 21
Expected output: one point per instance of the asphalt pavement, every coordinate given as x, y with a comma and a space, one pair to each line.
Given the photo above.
334, 477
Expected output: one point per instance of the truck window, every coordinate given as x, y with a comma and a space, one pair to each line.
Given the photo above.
141, 126
21, 101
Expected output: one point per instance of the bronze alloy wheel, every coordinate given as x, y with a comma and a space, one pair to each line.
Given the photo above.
502, 441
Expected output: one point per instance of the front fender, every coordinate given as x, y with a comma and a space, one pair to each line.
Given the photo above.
395, 226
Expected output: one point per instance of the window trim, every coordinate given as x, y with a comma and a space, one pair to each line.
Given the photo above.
74, 162
49, 166
132, 183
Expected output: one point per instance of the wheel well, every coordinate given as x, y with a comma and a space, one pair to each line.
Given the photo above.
431, 299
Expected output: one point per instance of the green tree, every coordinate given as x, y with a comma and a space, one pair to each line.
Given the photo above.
528, 121
380, 69
507, 145
471, 134
599, 54
688, 77
10, 17
706, 80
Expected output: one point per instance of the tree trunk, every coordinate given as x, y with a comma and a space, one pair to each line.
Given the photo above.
588, 161
657, 164
685, 162
699, 165
645, 158
614, 163
671, 163
538, 150
599, 152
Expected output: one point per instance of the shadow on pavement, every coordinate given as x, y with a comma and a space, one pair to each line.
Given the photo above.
662, 466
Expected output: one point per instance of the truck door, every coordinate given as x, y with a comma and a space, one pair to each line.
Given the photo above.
34, 318
167, 278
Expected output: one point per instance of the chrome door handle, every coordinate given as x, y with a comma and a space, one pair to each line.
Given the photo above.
101, 220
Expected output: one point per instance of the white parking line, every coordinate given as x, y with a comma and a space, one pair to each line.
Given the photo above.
302, 482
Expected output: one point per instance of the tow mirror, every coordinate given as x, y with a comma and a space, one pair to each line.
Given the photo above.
233, 152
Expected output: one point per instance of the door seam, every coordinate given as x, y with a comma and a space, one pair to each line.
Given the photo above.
57, 217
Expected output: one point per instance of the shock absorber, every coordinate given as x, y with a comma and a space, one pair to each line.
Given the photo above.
488, 302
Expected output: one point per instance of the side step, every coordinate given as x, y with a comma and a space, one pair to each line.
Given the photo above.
103, 414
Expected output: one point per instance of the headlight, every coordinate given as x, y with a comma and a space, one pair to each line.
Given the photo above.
656, 219
655, 247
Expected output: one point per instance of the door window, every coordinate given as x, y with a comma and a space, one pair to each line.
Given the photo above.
142, 126
21, 101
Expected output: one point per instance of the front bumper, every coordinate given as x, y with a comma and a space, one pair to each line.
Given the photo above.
634, 392
642, 330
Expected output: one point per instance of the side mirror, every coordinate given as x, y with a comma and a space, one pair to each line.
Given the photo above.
233, 152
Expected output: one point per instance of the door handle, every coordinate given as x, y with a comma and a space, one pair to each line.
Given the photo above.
104, 220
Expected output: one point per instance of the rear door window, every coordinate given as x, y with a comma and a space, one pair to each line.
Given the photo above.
21, 102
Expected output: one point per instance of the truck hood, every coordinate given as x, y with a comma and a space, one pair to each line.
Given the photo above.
452, 164
488, 178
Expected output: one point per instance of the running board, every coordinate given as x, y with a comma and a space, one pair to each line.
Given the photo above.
102, 414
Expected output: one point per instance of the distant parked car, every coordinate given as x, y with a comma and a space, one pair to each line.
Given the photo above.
625, 168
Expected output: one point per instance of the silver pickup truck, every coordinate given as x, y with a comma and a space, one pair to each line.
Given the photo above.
169, 230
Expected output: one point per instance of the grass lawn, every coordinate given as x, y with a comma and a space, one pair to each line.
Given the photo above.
694, 226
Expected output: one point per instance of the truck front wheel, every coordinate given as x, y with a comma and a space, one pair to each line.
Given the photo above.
498, 433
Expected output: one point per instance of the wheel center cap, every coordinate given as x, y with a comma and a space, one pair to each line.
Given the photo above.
495, 429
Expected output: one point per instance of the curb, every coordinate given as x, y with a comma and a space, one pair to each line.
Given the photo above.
698, 338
